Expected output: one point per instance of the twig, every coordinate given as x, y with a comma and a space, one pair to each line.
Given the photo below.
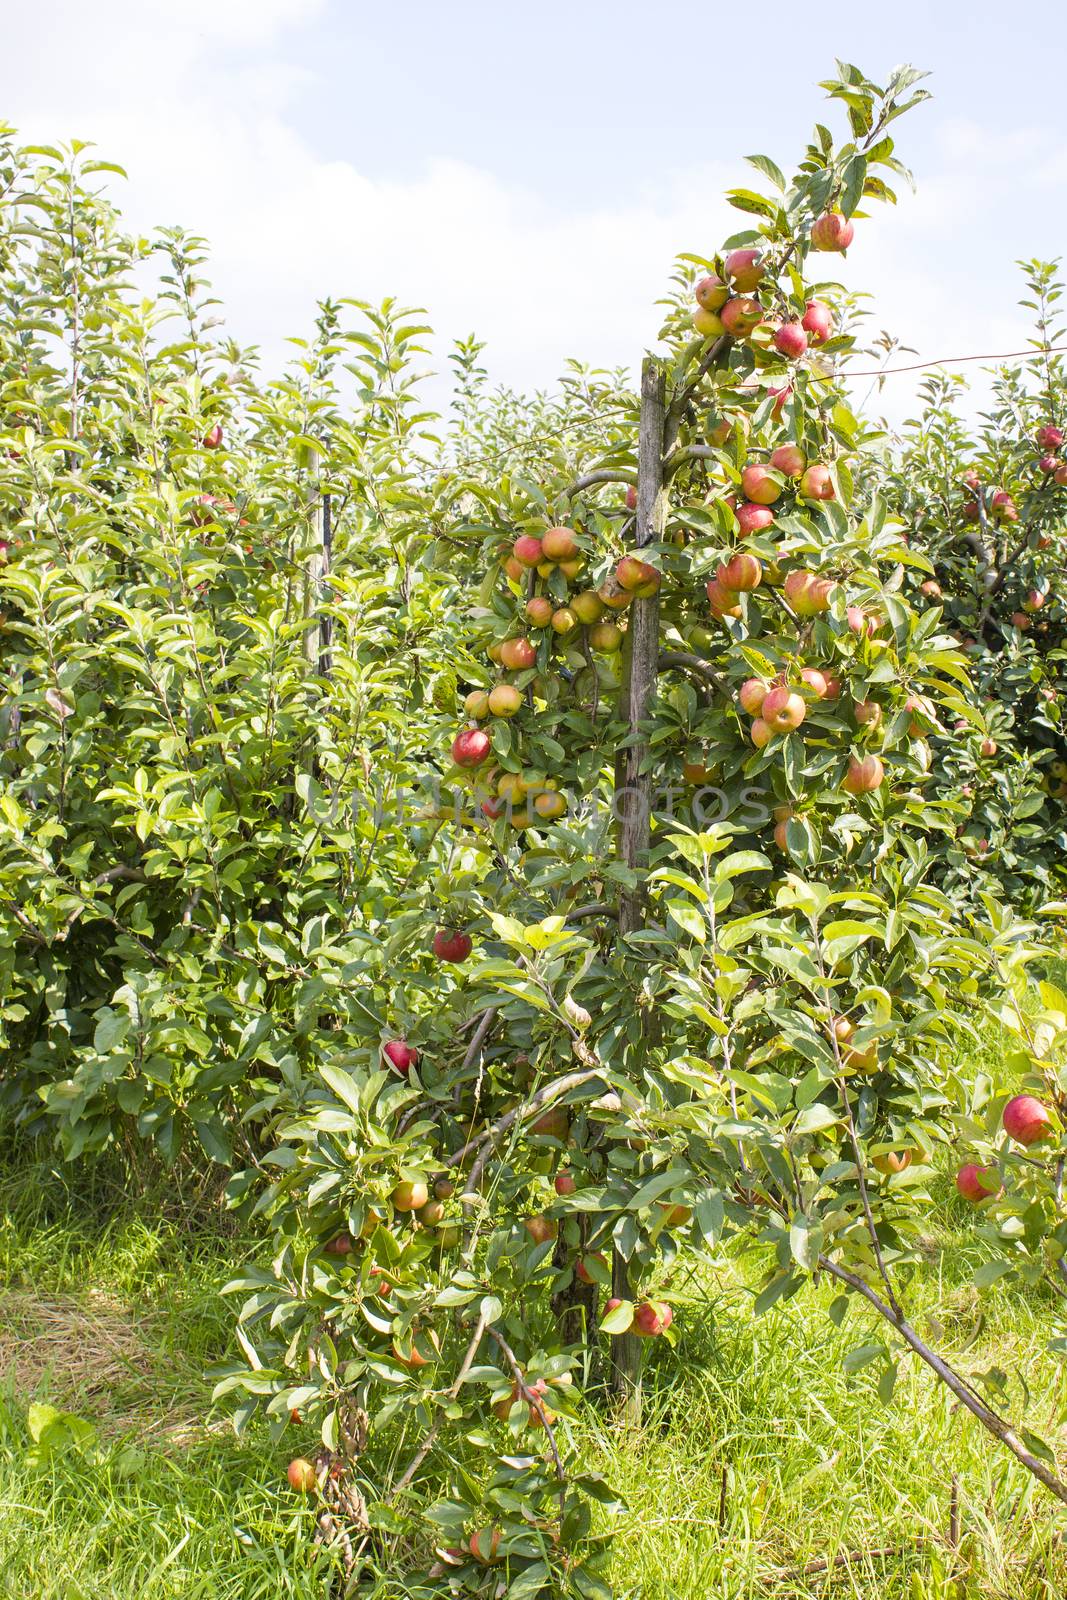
537, 1404
551, 1091
990, 1420
435, 1427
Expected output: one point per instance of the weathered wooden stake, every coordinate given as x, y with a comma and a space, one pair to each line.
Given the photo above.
633, 783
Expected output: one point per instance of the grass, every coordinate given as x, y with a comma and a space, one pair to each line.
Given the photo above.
758, 1456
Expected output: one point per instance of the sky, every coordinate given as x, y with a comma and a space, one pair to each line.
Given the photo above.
529, 173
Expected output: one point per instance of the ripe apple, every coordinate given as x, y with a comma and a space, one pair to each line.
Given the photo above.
806, 593
988, 747
605, 637
541, 1229
752, 518
868, 713
708, 324
711, 293
527, 550
485, 1545
613, 595
213, 437
1020, 620
651, 1318
582, 1272
587, 607
831, 231
637, 576
761, 733
339, 1245
783, 709
741, 573
724, 602
718, 429
864, 774
752, 694
746, 269
301, 1475
471, 747
1047, 464
816, 681
931, 589
760, 484
1060, 475
564, 620
565, 1182
612, 1305
476, 704
781, 834
539, 610
517, 654
514, 569
550, 805
780, 397
972, 1182
789, 460
817, 322
1026, 1120
451, 945
1049, 438
559, 544
410, 1196
740, 315
571, 569
790, 340
1034, 600
402, 1055
817, 484
893, 1161
555, 1123
505, 700
1003, 507
675, 1216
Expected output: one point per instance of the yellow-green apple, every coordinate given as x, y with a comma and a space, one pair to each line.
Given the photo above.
711, 293
559, 544
505, 700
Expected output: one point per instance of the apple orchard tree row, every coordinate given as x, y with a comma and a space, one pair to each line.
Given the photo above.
493, 1079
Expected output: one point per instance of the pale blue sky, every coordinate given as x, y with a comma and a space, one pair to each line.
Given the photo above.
529, 172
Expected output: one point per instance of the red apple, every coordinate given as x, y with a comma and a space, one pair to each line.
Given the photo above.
564, 1182
559, 544
541, 1229
470, 747
451, 945
806, 593
868, 713
339, 1245
651, 1318
711, 293
741, 573
301, 1475
485, 1545
1026, 1120
402, 1055
518, 654
816, 681
740, 315
752, 518
410, 1196
783, 709
1049, 438
745, 268
831, 231
760, 484
817, 484
527, 550
724, 602
817, 322
752, 694
539, 610
864, 774
213, 437
637, 576
790, 340
761, 733
971, 1182
788, 459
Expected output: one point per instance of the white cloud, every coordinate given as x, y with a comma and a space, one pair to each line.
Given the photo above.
202, 106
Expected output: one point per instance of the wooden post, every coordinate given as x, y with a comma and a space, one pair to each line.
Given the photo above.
633, 787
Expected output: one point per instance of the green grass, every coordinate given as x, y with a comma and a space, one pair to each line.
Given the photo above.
757, 1455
